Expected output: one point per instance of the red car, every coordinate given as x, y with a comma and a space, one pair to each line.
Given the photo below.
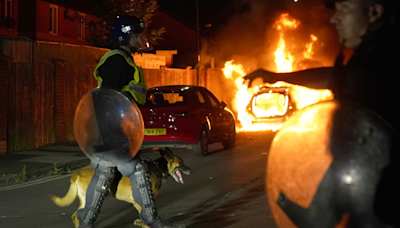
188, 117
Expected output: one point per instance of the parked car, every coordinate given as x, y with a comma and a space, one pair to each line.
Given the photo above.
184, 116
271, 105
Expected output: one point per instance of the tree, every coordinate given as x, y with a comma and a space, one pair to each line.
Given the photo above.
107, 10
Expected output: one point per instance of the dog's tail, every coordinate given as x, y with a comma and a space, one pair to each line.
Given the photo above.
68, 199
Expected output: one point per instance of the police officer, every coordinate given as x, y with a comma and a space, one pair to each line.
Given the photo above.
117, 70
370, 79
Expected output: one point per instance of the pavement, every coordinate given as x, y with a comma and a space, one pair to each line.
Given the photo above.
26, 166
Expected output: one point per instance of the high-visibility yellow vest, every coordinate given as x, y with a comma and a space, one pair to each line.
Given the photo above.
136, 87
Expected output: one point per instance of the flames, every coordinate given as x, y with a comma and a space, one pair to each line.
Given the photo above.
242, 98
284, 59
269, 103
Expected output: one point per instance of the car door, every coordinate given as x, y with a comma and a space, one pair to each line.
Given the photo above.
214, 114
203, 107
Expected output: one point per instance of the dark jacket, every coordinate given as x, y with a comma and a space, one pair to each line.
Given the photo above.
371, 78
116, 72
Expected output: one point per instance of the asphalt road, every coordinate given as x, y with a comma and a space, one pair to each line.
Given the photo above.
226, 189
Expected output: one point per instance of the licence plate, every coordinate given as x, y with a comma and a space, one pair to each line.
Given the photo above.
155, 131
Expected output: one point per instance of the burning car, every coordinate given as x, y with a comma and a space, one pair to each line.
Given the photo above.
271, 104
263, 106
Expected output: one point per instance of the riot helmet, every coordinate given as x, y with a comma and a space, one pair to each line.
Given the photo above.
125, 26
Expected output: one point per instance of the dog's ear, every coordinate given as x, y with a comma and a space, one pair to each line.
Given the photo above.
168, 155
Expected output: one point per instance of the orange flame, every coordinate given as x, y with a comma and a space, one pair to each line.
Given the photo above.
283, 59
272, 104
309, 52
242, 99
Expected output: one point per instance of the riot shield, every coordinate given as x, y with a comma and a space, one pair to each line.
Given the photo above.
108, 127
324, 165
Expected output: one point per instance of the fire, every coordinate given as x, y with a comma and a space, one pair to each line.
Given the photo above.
278, 99
309, 52
242, 99
283, 59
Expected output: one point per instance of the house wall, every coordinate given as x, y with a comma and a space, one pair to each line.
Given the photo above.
178, 36
67, 28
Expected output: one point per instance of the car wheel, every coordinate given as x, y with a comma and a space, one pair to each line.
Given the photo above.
230, 142
201, 148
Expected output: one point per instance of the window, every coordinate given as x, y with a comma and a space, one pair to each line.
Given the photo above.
165, 98
81, 26
213, 100
6, 20
53, 20
200, 97
8, 8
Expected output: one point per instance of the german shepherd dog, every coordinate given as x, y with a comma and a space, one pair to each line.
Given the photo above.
159, 170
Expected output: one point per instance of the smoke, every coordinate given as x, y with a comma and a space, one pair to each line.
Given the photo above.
250, 39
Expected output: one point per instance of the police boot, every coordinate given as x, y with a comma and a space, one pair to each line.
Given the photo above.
143, 195
95, 195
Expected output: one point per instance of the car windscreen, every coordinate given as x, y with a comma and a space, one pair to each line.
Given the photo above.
159, 98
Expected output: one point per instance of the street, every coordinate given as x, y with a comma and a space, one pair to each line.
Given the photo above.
226, 189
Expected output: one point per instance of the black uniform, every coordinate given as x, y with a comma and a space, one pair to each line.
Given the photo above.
372, 76
116, 72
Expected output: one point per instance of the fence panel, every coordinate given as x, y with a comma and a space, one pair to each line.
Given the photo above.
4, 85
80, 80
22, 108
152, 77
43, 103
175, 77
219, 86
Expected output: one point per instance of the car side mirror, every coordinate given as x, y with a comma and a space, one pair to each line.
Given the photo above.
223, 104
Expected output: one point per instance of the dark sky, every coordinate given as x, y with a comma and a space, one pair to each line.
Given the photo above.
210, 11
243, 29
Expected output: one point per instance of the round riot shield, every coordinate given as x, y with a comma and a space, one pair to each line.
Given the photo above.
324, 165
108, 127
